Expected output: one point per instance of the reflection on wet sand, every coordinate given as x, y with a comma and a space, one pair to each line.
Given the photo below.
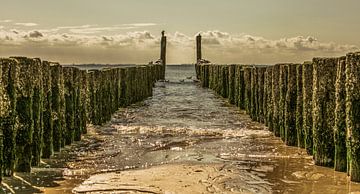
183, 140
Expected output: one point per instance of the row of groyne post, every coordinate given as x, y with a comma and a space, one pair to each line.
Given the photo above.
314, 105
45, 106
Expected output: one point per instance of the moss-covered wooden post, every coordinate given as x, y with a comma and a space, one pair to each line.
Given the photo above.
8, 123
260, 94
324, 77
24, 109
237, 84
57, 106
92, 97
353, 114
254, 96
225, 81
4, 105
299, 107
283, 79
123, 87
84, 101
290, 107
247, 81
307, 79
231, 79
77, 105
269, 103
69, 104
37, 141
275, 97
47, 149
241, 100
340, 163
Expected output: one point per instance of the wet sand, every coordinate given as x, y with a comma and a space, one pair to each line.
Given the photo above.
185, 139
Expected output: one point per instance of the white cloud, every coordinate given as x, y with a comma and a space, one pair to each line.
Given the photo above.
97, 29
87, 44
5, 21
140, 24
26, 24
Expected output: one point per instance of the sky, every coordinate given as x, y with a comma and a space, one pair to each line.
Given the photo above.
128, 31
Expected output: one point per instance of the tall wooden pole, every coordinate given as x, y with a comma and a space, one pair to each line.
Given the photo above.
198, 48
163, 53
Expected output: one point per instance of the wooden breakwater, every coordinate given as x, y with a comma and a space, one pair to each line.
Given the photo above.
314, 105
45, 106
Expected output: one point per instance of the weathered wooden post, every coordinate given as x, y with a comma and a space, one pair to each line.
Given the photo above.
8, 115
38, 96
290, 107
353, 114
225, 83
324, 72
57, 105
261, 94
254, 96
340, 118
307, 80
268, 106
47, 149
283, 79
163, 54
198, 48
247, 82
275, 98
24, 110
69, 105
299, 108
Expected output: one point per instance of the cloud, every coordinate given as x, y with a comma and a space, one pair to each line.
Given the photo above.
5, 21
97, 29
140, 24
87, 43
35, 34
26, 24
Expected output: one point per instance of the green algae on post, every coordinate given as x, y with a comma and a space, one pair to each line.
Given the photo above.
324, 72
268, 106
57, 95
275, 98
353, 114
24, 110
340, 161
307, 80
260, 94
231, 80
47, 149
290, 107
37, 141
9, 81
299, 108
283, 79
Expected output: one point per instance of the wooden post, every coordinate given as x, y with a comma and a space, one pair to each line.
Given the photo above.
307, 80
340, 118
24, 110
290, 107
198, 48
8, 118
47, 149
299, 107
353, 114
283, 79
275, 98
163, 53
324, 75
